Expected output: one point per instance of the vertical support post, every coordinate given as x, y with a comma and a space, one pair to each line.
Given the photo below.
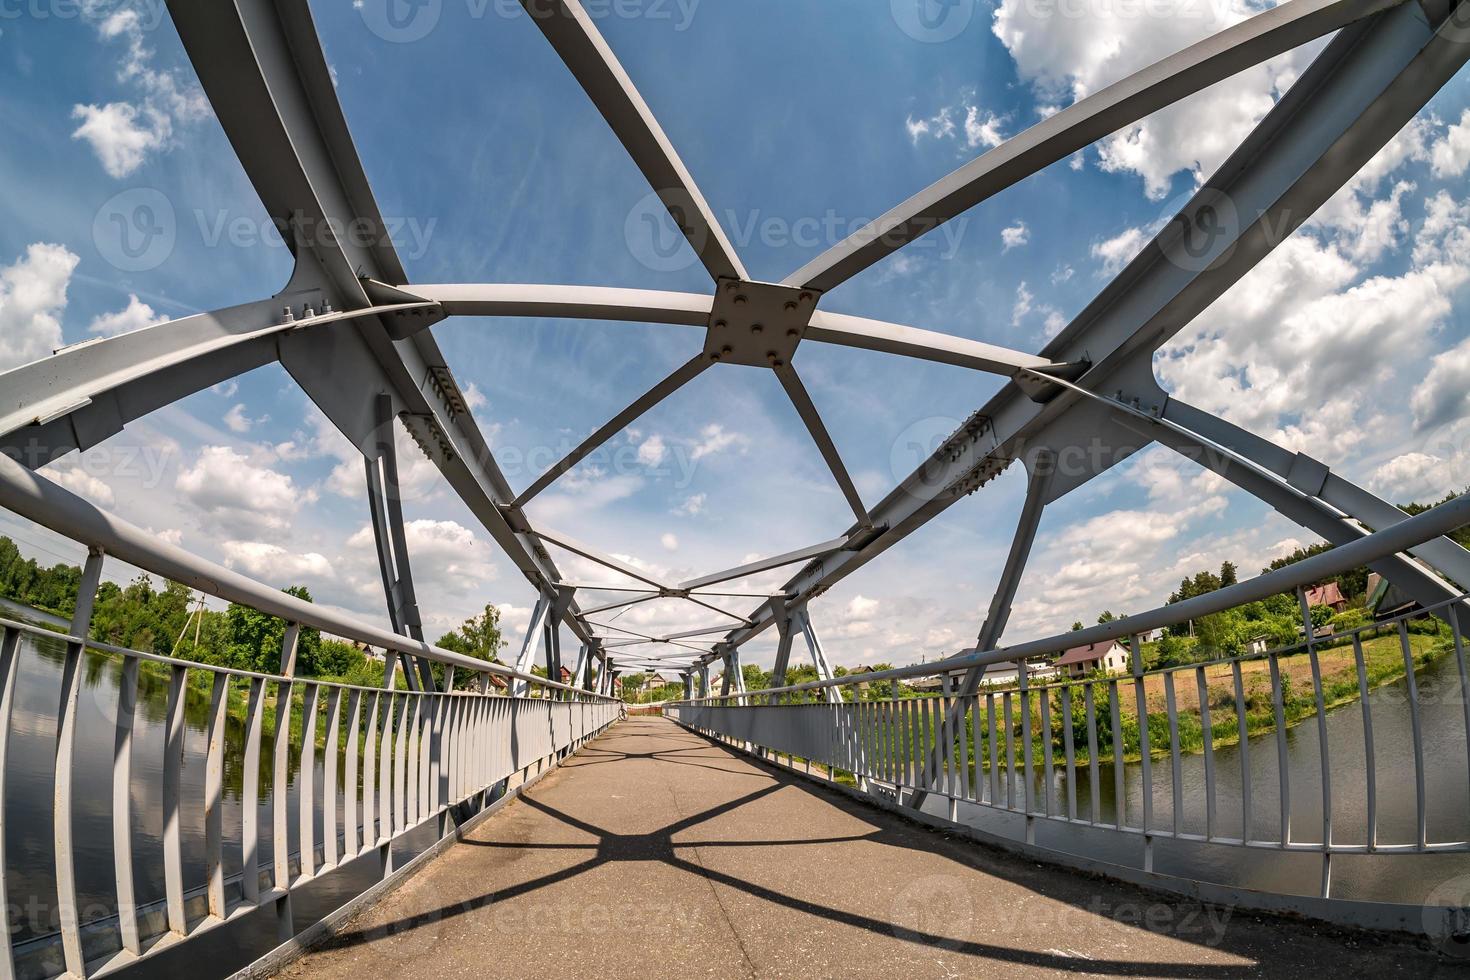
66, 738
1043, 466
814, 644
527, 657
385, 504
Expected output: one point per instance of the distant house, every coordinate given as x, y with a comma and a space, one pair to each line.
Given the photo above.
861, 686
1386, 600
1327, 594
566, 676
996, 673
655, 680
1259, 643
1106, 655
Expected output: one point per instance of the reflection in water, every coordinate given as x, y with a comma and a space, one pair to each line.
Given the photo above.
30, 765
1447, 790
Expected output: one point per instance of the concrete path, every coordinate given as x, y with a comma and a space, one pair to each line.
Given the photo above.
654, 853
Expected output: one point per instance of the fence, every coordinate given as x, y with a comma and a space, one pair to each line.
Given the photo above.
1104, 770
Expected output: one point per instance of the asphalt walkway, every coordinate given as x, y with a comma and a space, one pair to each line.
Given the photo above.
655, 853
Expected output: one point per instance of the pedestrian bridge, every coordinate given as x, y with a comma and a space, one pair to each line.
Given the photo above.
163, 816
657, 852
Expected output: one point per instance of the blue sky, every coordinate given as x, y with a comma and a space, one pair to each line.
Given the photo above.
798, 121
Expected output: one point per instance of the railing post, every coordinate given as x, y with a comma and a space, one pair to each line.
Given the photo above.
66, 737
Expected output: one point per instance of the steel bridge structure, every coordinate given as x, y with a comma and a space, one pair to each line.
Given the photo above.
356, 336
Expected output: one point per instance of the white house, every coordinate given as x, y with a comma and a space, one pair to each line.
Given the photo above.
1107, 655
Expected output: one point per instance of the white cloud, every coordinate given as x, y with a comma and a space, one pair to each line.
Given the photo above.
1414, 477
669, 541
273, 564
982, 130
124, 133
135, 316
71, 474
862, 607
1451, 155
714, 439
474, 398
693, 504
1014, 236
237, 421
652, 450
241, 497
1022, 306
1118, 251
1444, 394
32, 296
1069, 53
121, 134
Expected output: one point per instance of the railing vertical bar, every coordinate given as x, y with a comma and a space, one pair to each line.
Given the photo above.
916, 741
1326, 772
306, 779
1207, 733
965, 733
122, 795
1145, 748
250, 794
280, 845
214, 796
1247, 814
400, 768
63, 792
1028, 792
1283, 768
992, 738
1010, 751
9, 651
1175, 783
386, 808
1048, 765
173, 784
349, 775
370, 776
1094, 764
1420, 810
1120, 792
1069, 751
1452, 613
329, 777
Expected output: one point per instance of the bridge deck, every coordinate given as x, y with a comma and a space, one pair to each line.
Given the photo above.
656, 853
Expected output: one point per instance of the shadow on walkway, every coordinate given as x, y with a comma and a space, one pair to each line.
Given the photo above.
787, 877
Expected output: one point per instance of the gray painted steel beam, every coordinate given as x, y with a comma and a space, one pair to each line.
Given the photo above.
812, 419
1364, 87
1197, 67
680, 376
582, 47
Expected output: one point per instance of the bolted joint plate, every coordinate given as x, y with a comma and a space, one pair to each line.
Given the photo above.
757, 323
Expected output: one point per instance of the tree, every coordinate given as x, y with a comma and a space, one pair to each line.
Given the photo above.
478, 637
1228, 574
256, 639
1077, 626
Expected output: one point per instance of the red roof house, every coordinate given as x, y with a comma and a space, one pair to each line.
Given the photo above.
1107, 655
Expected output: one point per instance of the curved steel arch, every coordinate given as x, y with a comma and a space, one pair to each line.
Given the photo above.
349, 305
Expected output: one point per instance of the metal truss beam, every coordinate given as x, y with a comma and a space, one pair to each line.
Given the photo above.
1361, 90
681, 376
693, 310
1262, 37
819, 657
261, 65
812, 419
581, 46
385, 505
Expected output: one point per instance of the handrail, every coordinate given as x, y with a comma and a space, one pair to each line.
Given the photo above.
1430, 524
33, 496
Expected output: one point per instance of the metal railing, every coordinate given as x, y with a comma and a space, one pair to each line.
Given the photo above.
399, 769
1018, 759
